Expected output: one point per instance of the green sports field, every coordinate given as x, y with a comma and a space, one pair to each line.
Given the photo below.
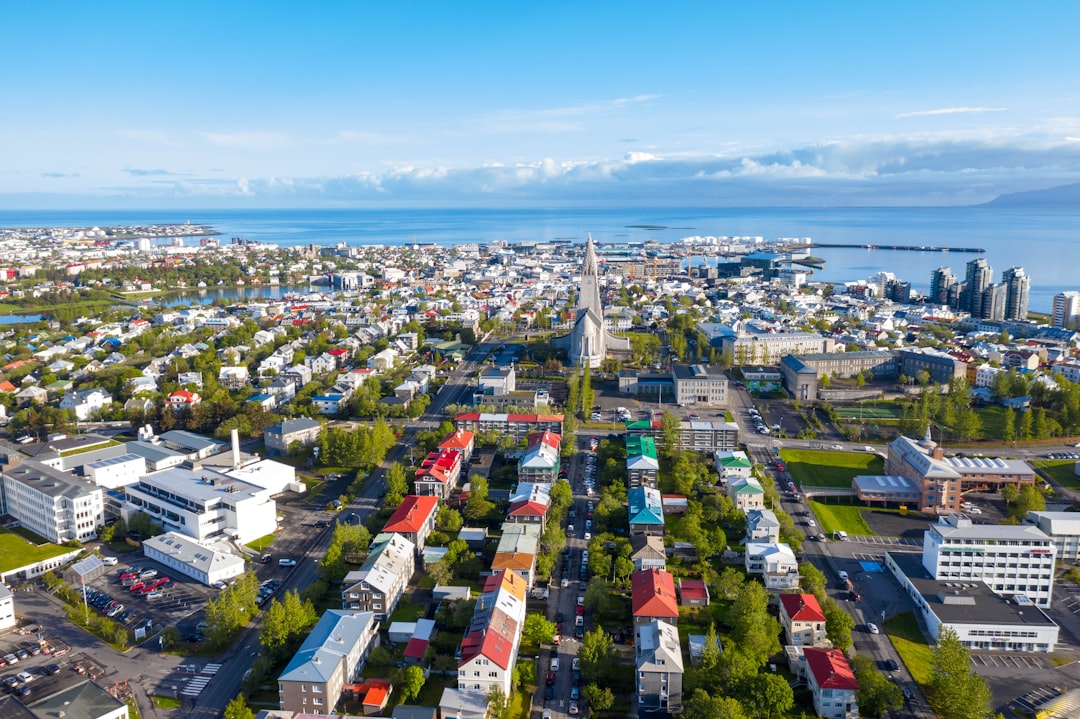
823, 468
869, 412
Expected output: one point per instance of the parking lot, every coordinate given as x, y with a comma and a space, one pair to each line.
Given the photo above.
33, 663
145, 605
1010, 661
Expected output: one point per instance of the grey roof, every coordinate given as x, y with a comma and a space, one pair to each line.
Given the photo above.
408, 711
297, 424
697, 371
111, 461
967, 601
336, 633
152, 453
85, 700
1004, 532
193, 442
202, 486
79, 441
49, 481
885, 483
188, 551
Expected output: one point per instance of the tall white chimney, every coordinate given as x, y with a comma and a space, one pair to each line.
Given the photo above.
235, 449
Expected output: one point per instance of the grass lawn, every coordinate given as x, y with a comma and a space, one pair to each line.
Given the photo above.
15, 551
822, 468
1061, 471
916, 654
261, 543
408, 613
993, 421
431, 693
843, 517
166, 702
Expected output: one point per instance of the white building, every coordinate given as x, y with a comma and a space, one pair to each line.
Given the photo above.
1063, 528
7, 609
84, 403
775, 562
981, 619
204, 505
198, 560
116, 471
659, 663
762, 526
1011, 560
55, 505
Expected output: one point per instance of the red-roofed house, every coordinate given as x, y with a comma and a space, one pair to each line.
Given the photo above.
439, 473
529, 504
832, 682
415, 650
653, 596
490, 646
541, 460
803, 620
693, 593
414, 519
373, 694
183, 398
461, 440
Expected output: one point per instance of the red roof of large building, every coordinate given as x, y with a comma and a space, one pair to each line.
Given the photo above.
551, 439
411, 516
653, 594
830, 668
443, 466
802, 607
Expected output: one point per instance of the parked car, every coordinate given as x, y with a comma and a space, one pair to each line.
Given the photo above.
286, 562
872, 628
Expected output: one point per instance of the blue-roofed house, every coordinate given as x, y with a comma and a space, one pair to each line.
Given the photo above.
646, 513
330, 657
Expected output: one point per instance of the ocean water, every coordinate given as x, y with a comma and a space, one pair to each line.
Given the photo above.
1045, 242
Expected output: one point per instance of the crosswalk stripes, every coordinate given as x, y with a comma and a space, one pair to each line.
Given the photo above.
211, 669
195, 687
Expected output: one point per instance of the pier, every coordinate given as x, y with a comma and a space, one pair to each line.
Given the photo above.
901, 248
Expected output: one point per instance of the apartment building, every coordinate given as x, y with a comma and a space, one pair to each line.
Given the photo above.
57, 506
762, 526
645, 511
414, 519
330, 657
659, 664
303, 430
517, 426
775, 562
802, 620
642, 465
381, 580
438, 475
462, 441
652, 596
1012, 560
490, 646
746, 493
832, 683
542, 460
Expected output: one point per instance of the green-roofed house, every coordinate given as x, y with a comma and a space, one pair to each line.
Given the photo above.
732, 465
642, 466
746, 493
646, 511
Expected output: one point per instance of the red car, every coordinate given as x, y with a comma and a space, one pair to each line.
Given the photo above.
129, 575
551, 679
158, 583
580, 611
137, 586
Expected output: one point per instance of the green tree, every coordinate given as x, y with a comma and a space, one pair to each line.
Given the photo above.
838, 624
413, 681
448, 519
772, 693
597, 655
955, 691
238, 709
597, 596
477, 506
812, 580
498, 702
397, 485
600, 700
876, 694
670, 432
537, 629
710, 655
1008, 426
701, 705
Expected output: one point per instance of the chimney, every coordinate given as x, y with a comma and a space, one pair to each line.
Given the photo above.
235, 448
937, 453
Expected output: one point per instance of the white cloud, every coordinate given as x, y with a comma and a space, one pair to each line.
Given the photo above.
950, 111
572, 118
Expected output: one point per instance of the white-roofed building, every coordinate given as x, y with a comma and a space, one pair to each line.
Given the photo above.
379, 583
198, 560
775, 562
762, 526
116, 471
1063, 528
659, 664
8, 620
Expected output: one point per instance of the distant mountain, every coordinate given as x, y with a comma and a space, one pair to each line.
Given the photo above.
1061, 196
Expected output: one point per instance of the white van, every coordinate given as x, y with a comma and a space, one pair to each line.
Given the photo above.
108, 561
841, 535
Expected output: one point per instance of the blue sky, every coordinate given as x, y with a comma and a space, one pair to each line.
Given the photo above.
543, 104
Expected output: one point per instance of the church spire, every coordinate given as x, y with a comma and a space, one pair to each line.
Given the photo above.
589, 268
